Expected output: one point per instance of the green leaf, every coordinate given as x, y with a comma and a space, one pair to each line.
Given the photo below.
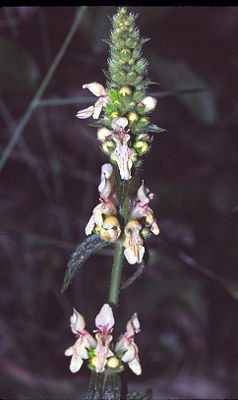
106, 386
18, 70
91, 245
145, 395
156, 129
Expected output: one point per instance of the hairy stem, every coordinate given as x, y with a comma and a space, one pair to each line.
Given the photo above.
116, 273
122, 190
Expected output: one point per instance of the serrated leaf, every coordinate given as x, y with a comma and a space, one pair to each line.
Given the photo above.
104, 386
145, 395
90, 246
18, 70
156, 129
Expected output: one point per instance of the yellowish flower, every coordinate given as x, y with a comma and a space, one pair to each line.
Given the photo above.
104, 322
128, 346
107, 201
110, 229
134, 251
142, 210
79, 351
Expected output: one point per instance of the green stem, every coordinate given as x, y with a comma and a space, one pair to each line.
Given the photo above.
13, 141
122, 191
116, 273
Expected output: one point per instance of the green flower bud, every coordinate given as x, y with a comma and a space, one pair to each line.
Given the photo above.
131, 76
141, 147
131, 105
131, 61
120, 43
138, 95
138, 79
130, 42
140, 66
142, 122
121, 76
125, 54
114, 66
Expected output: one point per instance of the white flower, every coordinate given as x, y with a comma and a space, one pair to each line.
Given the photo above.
134, 251
103, 134
104, 321
79, 351
107, 201
123, 155
119, 124
105, 186
142, 210
149, 103
98, 90
128, 346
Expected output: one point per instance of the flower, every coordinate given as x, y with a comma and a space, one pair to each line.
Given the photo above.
98, 90
122, 154
107, 200
98, 349
134, 251
103, 134
79, 351
149, 103
104, 321
142, 210
110, 229
127, 345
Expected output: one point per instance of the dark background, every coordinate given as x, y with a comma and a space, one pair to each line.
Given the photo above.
187, 297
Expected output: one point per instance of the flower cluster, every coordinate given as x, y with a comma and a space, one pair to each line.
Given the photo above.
100, 351
104, 222
122, 108
122, 148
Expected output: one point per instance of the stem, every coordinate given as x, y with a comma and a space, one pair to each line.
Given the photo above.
122, 191
13, 141
116, 273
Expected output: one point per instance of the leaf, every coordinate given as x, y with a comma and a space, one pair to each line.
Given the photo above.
104, 386
90, 246
178, 76
18, 70
155, 128
145, 395
139, 271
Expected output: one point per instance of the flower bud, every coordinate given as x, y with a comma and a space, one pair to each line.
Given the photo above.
114, 114
149, 103
125, 91
141, 147
125, 54
131, 76
130, 42
142, 122
108, 146
103, 133
133, 117
113, 362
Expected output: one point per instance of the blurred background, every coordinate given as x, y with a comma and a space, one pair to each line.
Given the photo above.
187, 297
